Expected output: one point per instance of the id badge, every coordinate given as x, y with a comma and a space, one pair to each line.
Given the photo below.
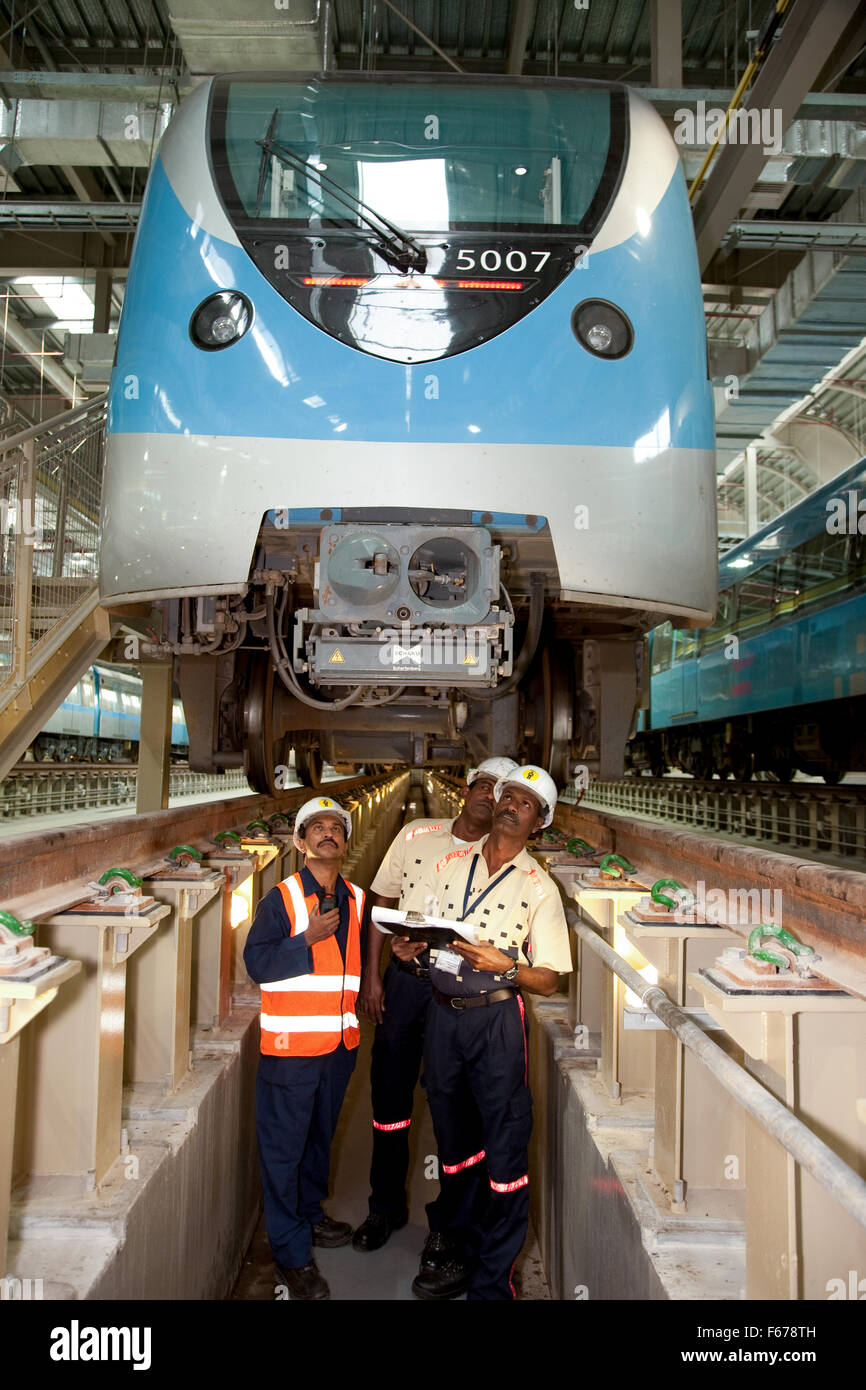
449, 961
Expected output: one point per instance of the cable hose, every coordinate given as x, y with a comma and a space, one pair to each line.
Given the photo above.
527, 651
282, 665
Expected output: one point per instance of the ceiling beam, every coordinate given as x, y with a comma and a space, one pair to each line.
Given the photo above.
30, 345
666, 43
520, 24
810, 32
73, 252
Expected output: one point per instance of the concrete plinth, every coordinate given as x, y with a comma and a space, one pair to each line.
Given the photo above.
176, 1211
601, 1218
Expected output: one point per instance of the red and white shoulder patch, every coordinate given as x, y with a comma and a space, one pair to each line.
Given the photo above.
421, 830
455, 854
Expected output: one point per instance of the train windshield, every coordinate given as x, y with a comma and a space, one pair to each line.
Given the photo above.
463, 157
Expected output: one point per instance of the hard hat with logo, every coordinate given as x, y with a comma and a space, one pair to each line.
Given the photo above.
532, 779
319, 806
491, 767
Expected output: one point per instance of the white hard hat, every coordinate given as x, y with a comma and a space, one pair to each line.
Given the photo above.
319, 806
491, 767
533, 779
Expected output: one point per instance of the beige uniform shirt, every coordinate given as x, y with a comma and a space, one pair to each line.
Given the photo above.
522, 915
405, 871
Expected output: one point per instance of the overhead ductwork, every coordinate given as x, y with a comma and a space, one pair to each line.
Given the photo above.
216, 38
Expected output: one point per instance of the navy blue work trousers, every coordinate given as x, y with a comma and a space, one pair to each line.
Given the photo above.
476, 1073
297, 1105
395, 1062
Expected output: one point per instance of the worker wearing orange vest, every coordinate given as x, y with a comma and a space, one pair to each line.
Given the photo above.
304, 950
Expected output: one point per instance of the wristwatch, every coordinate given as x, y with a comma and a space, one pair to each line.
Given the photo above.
512, 973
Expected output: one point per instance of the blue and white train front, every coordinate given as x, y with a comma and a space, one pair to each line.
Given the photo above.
411, 395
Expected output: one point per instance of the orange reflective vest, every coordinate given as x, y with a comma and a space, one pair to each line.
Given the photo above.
307, 1015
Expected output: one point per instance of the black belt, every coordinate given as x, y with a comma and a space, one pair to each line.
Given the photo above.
420, 972
472, 1001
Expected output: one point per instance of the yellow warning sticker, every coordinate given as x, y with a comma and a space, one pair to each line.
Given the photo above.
529, 774
338, 656
469, 660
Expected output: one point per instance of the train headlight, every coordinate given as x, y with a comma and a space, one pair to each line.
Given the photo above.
220, 320
602, 329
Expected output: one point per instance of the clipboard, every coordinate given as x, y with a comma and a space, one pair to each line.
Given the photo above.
438, 932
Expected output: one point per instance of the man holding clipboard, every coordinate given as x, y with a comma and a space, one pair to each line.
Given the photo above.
399, 1004
475, 1053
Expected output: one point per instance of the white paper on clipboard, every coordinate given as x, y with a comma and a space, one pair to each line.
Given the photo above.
391, 919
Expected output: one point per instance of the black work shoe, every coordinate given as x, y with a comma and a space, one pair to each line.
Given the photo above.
376, 1231
438, 1251
331, 1233
304, 1282
449, 1281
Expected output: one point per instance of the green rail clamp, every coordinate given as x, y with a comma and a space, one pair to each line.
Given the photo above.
11, 923
223, 838
614, 866
184, 855
583, 845
686, 897
127, 880
760, 952
278, 816
254, 825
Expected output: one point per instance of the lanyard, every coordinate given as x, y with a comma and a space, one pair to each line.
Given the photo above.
467, 908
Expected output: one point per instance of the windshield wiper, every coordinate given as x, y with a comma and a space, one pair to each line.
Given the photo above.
395, 245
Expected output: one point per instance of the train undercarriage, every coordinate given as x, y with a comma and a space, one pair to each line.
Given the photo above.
383, 644
821, 740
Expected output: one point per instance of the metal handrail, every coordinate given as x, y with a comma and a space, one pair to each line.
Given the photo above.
51, 426
826, 1167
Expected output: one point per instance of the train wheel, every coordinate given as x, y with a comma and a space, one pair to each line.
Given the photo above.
260, 760
550, 705
740, 762
308, 766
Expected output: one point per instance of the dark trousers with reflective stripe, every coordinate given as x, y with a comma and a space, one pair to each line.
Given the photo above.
475, 1068
394, 1066
298, 1102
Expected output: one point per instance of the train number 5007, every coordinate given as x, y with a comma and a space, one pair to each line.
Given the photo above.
515, 261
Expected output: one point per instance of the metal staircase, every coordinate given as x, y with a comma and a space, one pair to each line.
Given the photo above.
51, 625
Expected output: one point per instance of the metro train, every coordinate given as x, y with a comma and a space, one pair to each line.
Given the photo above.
778, 684
100, 721
410, 435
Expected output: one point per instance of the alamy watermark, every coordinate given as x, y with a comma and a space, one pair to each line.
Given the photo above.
733, 907
23, 518
846, 515
744, 126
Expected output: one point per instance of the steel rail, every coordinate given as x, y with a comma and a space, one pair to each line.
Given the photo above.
826, 1167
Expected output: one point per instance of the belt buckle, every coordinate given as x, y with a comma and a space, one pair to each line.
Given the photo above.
457, 1002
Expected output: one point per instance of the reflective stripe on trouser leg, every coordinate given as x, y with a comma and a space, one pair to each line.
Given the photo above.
394, 1067
463, 1182
496, 1066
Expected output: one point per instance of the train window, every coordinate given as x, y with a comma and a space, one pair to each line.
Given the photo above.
108, 696
756, 596
87, 691
822, 560
662, 648
380, 144
787, 581
685, 645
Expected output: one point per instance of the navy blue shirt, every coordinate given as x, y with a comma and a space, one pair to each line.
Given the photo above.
271, 953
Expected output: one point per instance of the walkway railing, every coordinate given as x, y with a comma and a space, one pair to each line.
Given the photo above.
50, 490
